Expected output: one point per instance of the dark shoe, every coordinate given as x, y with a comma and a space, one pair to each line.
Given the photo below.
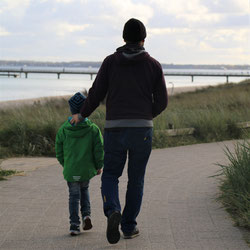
87, 223
113, 234
132, 234
74, 230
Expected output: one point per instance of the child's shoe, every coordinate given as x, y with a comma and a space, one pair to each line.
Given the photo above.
74, 230
86, 224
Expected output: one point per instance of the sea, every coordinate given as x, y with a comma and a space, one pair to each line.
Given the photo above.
47, 85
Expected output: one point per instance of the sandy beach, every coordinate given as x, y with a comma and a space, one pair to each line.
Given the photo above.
21, 102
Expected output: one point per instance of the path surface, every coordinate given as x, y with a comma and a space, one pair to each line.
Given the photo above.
178, 212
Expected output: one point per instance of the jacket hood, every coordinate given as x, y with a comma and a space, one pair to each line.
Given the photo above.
130, 54
79, 130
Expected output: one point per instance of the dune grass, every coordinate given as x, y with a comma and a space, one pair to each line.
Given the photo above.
4, 173
213, 112
235, 184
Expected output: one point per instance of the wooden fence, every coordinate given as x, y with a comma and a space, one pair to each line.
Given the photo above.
191, 131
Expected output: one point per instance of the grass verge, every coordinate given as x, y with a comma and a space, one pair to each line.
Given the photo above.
4, 173
235, 185
213, 112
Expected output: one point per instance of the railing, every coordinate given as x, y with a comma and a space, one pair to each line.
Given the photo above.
225, 73
58, 71
94, 71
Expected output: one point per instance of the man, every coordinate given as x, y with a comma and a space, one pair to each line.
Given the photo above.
134, 86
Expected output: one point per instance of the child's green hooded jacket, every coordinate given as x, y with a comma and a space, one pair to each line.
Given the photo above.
79, 149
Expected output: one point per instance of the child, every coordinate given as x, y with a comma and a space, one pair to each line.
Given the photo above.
79, 149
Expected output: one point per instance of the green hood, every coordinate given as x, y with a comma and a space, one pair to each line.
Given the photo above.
79, 130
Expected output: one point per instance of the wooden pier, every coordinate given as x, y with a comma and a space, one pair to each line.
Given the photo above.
9, 75
204, 73
26, 71
93, 71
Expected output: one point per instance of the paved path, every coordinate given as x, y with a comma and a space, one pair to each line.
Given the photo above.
178, 212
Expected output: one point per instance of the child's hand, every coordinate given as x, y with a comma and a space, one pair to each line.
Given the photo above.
99, 171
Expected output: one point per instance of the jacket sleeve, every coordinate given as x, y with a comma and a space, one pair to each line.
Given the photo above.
97, 92
98, 148
59, 147
160, 95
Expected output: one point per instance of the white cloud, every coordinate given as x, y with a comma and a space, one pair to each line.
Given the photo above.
81, 42
200, 18
126, 9
202, 12
4, 32
230, 34
64, 1
228, 6
179, 31
14, 3
14, 7
163, 31
204, 46
64, 28
243, 5
186, 44
180, 6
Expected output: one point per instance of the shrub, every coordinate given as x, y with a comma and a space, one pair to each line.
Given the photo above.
235, 184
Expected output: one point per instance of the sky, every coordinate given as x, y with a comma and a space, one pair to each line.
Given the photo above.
178, 31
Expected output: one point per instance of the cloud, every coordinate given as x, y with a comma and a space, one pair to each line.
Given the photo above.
17, 6
125, 9
63, 28
179, 31
200, 13
228, 6
180, 7
81, 42
64, 1
14, 4
200, 18
4, 32
163, 31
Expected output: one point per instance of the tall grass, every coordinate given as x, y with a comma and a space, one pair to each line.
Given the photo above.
31, 130
213, 112
235, 184
5, 173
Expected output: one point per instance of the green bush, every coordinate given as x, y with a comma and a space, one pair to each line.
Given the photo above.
235, 184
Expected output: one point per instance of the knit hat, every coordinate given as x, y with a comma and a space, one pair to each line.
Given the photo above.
76, 102
134, 31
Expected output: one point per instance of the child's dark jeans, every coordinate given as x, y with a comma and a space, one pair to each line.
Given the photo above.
78, 193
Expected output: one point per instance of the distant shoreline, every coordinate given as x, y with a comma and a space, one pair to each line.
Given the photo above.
31, 101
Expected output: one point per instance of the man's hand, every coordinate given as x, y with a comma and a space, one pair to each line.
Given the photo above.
75, 119
99, 171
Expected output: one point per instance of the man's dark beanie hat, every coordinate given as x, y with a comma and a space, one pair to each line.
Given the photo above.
134, 31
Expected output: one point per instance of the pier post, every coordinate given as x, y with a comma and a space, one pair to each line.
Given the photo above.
192, 77
91, 76
227, 78
26, 74
58, 75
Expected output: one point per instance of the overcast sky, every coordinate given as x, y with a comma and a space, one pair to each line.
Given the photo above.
178, 31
